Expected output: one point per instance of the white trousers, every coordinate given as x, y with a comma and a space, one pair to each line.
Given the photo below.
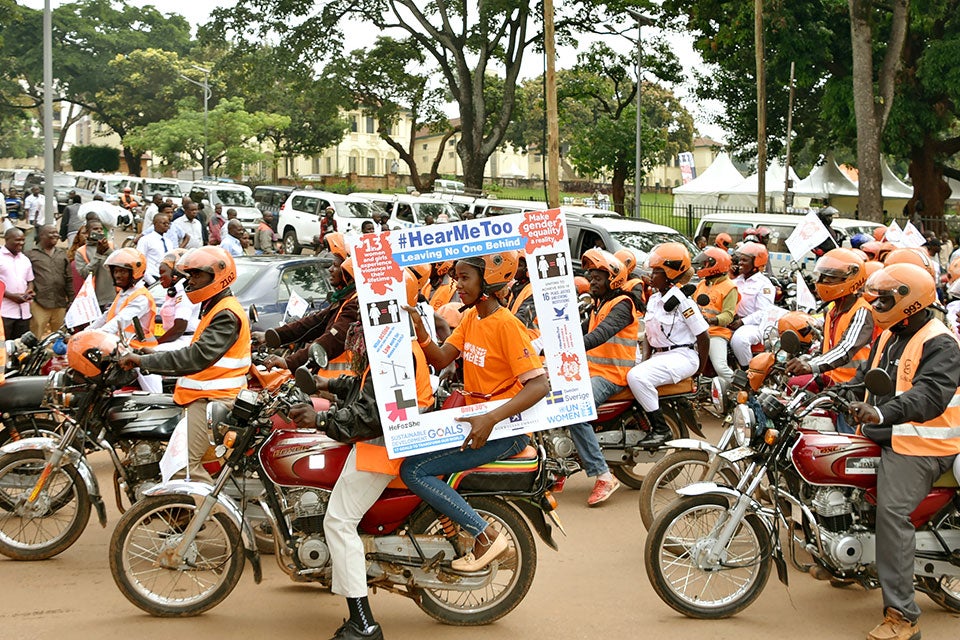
718, 358
665, 367
744, 338
353, 494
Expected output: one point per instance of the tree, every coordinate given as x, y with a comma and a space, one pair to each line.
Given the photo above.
94, 157
232, 142
17, 138
388, 81
466, 42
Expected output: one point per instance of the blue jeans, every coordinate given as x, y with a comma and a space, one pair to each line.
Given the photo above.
420, 474
585, 438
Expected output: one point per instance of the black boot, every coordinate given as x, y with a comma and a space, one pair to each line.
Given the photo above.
659, 431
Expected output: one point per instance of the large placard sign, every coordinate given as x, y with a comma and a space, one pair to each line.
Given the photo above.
379, 260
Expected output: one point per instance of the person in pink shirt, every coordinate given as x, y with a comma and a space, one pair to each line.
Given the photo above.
16, 273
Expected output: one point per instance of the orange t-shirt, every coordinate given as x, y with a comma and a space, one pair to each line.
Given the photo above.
497, 355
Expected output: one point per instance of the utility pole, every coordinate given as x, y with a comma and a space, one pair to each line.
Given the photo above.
49, 199
205, 85
553, 127
761, 108
787, 183
638, 169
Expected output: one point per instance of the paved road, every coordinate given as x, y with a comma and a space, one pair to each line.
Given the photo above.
594, 587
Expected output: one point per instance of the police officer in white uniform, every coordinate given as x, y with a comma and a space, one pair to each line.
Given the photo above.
677, 343
756, 296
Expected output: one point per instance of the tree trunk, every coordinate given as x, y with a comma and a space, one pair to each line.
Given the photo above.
929, 187
132, 158
474, 165
618, 189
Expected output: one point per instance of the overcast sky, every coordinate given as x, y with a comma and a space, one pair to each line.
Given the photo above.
198, 12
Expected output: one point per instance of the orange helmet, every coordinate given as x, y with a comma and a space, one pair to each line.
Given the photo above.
898, 292
171, 258
918, 257
877, 250
879, 233
605, 261
347, 267
443, 267
870, 267
336, 244
673, 258
412, 286
712, 261
723, 240
451, 313
756, 251
759, 368
421, 272
628, 258
497, 269
213, 260
582, 284
801, 324
953, 270
860, 253
128, 258
86, 350
839, 263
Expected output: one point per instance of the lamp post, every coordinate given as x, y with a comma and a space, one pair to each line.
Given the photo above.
50, 203
642, 20
205, 85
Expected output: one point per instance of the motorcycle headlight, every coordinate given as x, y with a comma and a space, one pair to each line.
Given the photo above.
55, 391
744, 423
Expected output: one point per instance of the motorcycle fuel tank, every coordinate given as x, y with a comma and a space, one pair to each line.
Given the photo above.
143, 416
303, 459
836, 459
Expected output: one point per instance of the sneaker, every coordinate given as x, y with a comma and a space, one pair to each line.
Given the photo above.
602, 490
350, 631
470, 563
558, 484
895, 627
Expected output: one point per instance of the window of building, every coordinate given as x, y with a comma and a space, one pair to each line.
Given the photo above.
370, 125
352, 166
329, 166
316, 165
371, 166
353, 124
424, 147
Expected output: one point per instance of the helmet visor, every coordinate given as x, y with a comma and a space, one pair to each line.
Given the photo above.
883, 285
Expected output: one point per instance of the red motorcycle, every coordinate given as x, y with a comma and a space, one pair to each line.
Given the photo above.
709, 554
181, 550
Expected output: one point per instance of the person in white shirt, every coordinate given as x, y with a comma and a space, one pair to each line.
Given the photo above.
677, 343
188, 228
154, 245
152, 210
757, 294
230, 242
33, 207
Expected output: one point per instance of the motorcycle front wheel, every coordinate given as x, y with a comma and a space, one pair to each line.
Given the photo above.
675, 471
676, 563
29, 425
514, 573
632, 475
154, 526
50, 524
944, 591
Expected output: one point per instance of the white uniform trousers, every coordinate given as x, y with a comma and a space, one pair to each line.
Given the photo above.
744, 338
718, 358
665, 367
353, 495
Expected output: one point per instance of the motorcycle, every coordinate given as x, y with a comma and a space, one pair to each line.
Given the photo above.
709, 554
194, 529
32, 356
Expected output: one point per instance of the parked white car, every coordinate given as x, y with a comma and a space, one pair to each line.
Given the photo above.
411, 211
299, 220
231, 196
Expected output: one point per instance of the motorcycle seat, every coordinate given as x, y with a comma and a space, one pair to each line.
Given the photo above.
621, 396
677, 388
516, 473
22, 393
948, 480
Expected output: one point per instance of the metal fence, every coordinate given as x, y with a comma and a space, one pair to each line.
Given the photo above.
683, 219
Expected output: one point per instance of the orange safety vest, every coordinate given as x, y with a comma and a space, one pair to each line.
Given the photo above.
342, 365
939, 436
517, 302
717, 292
615, 357
422, 377
439, 296
149, 339
127, 203
833, 331
223, 379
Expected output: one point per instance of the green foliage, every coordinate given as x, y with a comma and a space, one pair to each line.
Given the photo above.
94, 158
17, 138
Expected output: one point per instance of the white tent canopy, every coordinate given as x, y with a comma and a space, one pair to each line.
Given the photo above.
893, 187
825, 181
705, 190
744, 195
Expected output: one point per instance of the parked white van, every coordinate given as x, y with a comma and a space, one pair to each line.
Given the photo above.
299, 219
780, 225
411, 211
144, 188
90, 184
231, 196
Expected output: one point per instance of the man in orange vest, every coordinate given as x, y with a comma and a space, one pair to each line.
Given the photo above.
917, 427
127, 268
214, 366
717, 297
848, 328
610, 342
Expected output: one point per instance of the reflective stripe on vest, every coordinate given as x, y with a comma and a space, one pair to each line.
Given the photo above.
615, 357
939, 436
832, 335
717, 292
342, 365
227, 376
149, 340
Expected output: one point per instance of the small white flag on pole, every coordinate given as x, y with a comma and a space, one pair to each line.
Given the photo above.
893, 234
296, 305
807, 235
912, 236
176, 456
85, 308
805, 299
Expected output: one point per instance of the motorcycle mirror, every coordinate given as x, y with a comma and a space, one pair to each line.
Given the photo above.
878, 382
790, 342
272, 339
305, 381
703, 300
253, 313
318, 355
739, 380
138, 329
29, 340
